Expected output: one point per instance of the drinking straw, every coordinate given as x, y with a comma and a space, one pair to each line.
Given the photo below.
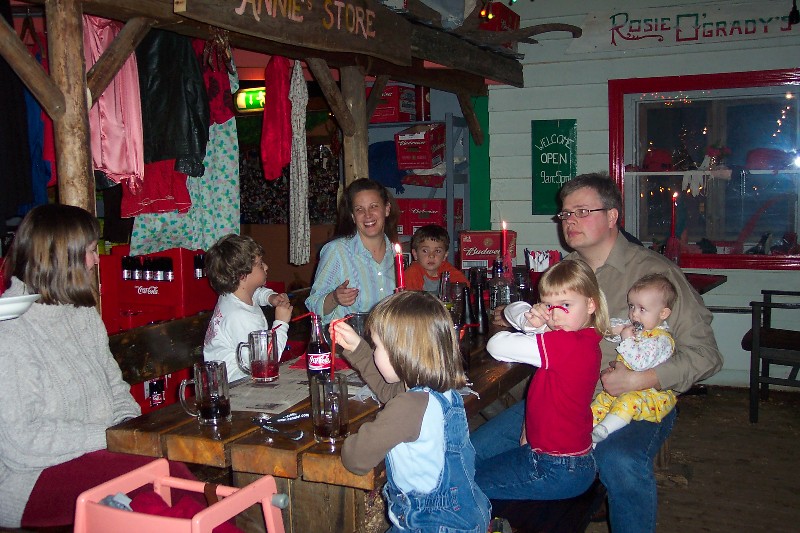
301, 317
333, 341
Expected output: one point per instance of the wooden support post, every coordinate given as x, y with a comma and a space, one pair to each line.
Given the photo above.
375, 94
319, 67
102, 72
356, 145
67, 70
472, 119
30, 72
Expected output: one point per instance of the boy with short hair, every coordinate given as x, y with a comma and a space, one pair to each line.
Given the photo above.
236, 271
429, 247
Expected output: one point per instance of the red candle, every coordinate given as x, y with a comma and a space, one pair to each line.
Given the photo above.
674, 206
399, 268
504, 241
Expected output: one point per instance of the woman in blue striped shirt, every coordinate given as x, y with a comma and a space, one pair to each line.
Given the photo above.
356, 269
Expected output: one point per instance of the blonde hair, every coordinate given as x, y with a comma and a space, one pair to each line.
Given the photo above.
659, 283
419, 337
576, 275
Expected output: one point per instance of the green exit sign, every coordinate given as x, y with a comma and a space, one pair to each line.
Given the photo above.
249, 100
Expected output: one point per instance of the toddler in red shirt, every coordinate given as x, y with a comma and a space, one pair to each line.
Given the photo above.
561, 337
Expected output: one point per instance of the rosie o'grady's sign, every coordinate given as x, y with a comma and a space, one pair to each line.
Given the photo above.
695, 24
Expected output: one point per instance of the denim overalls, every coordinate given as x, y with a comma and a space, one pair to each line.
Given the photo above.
456, 505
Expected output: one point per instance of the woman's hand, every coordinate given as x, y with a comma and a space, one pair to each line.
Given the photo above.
343, 295
346, 336
283, 311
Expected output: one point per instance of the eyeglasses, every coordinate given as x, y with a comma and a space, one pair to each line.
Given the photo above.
579, 213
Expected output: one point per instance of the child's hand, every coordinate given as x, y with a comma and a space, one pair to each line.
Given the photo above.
346, 336
617, 330
538, 315
283, 311
627, 331
279, 299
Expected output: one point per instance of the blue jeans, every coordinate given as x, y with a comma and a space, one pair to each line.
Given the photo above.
625, 460
504, 470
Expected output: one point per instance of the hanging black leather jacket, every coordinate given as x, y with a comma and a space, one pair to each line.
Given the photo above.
175, 113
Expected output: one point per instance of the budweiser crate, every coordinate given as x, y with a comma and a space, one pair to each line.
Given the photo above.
398, 103
420, 146
504, 19
418, 212
481, 248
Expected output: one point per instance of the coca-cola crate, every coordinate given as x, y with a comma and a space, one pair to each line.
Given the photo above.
159, 392
420, 146
398, 103
418, 212
129, 303
480, 248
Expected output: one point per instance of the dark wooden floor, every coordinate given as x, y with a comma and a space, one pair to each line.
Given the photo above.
727, 475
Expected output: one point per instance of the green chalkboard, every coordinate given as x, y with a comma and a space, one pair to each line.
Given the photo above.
554, 161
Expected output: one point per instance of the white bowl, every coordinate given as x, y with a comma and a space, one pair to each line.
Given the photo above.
14, 306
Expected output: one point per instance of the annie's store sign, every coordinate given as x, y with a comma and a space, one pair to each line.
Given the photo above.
693, 24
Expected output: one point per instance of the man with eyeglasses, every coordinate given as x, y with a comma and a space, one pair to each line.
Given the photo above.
590, 209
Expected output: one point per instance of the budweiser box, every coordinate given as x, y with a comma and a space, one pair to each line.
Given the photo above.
398, 103
481, 248
418, 212
420, 146
504, 19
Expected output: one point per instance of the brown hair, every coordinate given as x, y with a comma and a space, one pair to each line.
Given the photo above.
660, 283
433, 232
229, 259
601, 183
345, 226
418, 334
49, 254
576, 275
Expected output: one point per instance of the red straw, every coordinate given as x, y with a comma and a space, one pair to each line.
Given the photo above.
333, 341
301, 317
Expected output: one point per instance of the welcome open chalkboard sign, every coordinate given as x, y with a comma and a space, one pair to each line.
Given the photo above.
554, 161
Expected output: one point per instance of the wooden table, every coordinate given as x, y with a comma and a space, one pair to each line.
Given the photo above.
324, 496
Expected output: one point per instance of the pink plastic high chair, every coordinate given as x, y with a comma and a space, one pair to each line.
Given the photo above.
94, 517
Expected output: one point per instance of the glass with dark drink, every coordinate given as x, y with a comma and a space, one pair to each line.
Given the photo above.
211, 405
329, 407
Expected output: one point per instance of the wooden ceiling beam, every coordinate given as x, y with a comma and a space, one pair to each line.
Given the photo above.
104, 70
341, 112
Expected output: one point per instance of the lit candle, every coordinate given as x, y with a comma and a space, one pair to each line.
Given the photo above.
674, 207
399, 268
504, 241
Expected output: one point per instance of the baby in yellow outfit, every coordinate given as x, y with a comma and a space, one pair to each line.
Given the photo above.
645, 343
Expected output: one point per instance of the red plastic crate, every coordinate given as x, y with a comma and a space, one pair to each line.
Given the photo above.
418, 212
481, 248
398, 103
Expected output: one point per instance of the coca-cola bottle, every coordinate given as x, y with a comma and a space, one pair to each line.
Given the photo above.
319, 351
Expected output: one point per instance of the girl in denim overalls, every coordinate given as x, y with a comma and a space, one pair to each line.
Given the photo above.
413, 365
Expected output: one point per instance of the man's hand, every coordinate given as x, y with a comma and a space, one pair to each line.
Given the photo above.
618, 379
498, 318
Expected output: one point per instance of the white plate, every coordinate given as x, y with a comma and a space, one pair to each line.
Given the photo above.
14, 306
